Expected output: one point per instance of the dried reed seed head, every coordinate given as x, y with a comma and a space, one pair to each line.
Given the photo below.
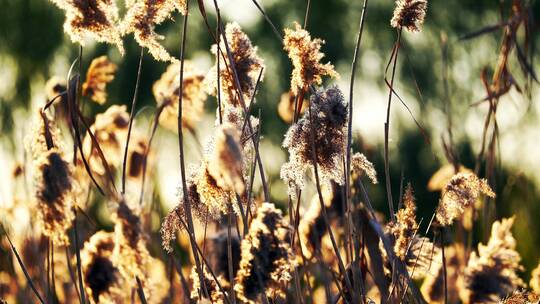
535, 279
267, 260
409, 14
102, 279
99, 74
216, 295
225, 164
360, 166
521, 297
211, 195
405, 227
110, 130
167, 91
433, 286
305, 55
328, 121
247, 64
53, 182
130, 252
96, 19
172, 222
491, 274
287, 104
460, 193
142, 17
136, 156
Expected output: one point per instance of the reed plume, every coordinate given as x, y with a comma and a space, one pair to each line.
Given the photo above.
535, 279
460, 193
328, 121
142, 17
167, 93
247, 64
433, 285
267, 260
96, 19
305, 55
286, 106
102, 279
409, 14
99, 74
53, 180
491, 274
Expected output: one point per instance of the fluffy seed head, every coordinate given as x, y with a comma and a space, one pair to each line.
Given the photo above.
491, 274
142, 17
409, 14
328, 120
102, 279
460, 193
54, 184
267, 260
99, 74
247, 63
167, 92
360, 166
305, 55
96, 19
110, 130
225, 163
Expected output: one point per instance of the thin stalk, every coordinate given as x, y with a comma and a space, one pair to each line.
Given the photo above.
187, 205
229, 255
395, 53
131, 116
78, 258
445, 279
349, 129
21, 263
140, 291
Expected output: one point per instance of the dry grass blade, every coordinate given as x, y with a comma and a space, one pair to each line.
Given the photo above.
24, 269
140, 291
131, 116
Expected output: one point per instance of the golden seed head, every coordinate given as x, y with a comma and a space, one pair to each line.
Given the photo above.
409, 14
99, 74
166, 92
225, 164
460, 193
267, 260
247, 64
328, 122
142, 17
491, 274
360, 166
96, 19
305, 55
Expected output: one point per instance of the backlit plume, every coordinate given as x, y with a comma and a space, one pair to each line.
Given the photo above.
328, 121
142, 17
409, 14
267, 260
305, 55
99, 74
247, 64
166, 92
491, 274
53, 180
96, 19
460, 193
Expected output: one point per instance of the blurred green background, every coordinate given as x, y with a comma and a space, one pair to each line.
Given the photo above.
33, 48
